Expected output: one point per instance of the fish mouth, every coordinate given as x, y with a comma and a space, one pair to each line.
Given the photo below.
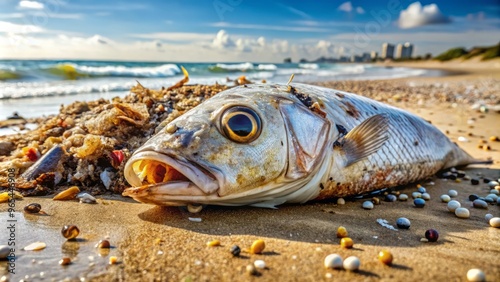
159, 175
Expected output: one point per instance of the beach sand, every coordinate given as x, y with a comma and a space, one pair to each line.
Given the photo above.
162, 244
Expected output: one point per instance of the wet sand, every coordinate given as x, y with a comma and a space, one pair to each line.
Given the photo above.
162, 244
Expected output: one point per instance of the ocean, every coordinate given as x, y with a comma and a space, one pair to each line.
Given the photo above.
38, 87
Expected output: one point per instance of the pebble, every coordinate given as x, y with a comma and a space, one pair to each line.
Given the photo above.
213, 243
474, 181
486, 180
195, 219
346, 243
352, 263
375, 201
385, 257
390, 198
493, 197
257, 247
416, 195
445, 198
403, 223
333, 261
498, 201
35, 246
367, 205
86, 198
341, 232
235, 250
403, 197
453, 193
453, 205
251, 269
113, 260
421, 189
259, 264
194, 208
431, 235
492, 184
4, 251
426, 196
65, 261
488, 216
70, 231
340, 201
33, 208
473, 197
103, 244
419, 203
462, 213
495, 222
68, 194
495, 191
476, 275
480, 204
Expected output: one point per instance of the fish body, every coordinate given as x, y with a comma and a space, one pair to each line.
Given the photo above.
264, 145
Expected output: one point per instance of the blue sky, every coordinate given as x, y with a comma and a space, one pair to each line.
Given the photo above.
238, 30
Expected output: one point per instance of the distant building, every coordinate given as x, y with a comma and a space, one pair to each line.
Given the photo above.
399, 51
407, 50
387, 51
374, 55
366, 57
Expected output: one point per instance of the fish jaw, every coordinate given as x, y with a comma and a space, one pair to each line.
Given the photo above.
162, 179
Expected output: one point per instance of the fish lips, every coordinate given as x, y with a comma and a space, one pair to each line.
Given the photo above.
201, 181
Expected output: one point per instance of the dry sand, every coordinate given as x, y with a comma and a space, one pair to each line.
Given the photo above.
162, 244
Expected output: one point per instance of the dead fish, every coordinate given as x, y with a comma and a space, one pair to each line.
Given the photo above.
264, 145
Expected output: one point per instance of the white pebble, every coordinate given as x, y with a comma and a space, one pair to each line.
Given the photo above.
340, 201
492, 184
415, 195
462, 213
351, 263
194, 219
453, 193
495, 222
367, 205
426, 196
453, 205
333, 261
488, 216
476, 275
403, 197
463, 139
493, 197
445, 198
259, 264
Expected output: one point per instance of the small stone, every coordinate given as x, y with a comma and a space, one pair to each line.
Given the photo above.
340, 201
426, 196
445, 198
421, 189
476, 275
486, 180
213, 243
403, 197
492, 184
35, 246
65, 261
453, 193
424, 240
474, 181
487, 200
419, 203
495, 222
333, 261
346, 243
473, 197
341, 232
453, 205
495, 191
367, 205
480, 204
462, 213
493, 197
385, 257
352, 263
251, 270
33, 208
257, 247
260, 264
4, 251
416, 195
375, 201
461, 174
488, 216
192, 208
403, 223
103, 244
113, 260
431, 235
235, 250
70, 231
86, 198
494, 138
390, 198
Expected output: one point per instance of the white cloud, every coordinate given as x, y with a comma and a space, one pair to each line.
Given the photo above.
416, 15
31, 5
8, 27
222, 40
175, 36
269, 27
360, 10
298, 12
345, 7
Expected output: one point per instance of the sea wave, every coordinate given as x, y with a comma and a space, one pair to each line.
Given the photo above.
231, 67
309, 66
164, 70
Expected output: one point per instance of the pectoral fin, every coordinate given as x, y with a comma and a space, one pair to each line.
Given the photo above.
366, 138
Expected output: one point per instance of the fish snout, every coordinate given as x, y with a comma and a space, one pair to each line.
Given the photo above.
180, 135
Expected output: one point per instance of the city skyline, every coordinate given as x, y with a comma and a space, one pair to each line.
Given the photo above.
237, 30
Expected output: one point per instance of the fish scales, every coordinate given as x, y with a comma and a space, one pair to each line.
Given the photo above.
265, 145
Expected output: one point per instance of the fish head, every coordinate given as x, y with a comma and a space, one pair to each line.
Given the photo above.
235, 148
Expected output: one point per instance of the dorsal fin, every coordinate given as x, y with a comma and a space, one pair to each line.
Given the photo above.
366, 138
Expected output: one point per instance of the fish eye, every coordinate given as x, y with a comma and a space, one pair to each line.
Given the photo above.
241, 124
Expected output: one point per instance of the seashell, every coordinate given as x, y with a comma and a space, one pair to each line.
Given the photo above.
35, 246
70, 231
257, 247
65, 261
194, 208
68, 194
86, 198
213, 243
33, 208
103, 244
106, 176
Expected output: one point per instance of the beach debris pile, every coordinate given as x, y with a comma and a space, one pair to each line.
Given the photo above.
87, 144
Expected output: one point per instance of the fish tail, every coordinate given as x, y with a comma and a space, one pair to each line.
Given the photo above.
460, 158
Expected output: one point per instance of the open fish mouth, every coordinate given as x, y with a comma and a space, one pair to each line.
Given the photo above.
158, 175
